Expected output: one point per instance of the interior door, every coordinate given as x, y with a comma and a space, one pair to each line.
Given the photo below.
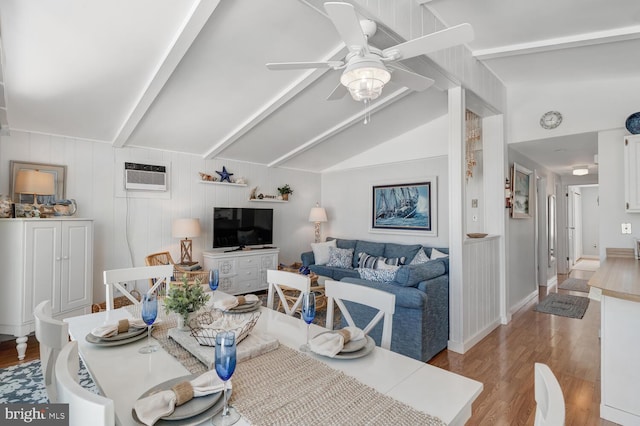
571, 229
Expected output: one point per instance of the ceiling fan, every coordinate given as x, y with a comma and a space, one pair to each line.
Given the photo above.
366, 68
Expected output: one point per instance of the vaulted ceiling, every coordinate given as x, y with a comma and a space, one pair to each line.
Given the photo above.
190, 75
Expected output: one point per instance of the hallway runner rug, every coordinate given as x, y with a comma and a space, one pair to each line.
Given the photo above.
564, 305
575, 284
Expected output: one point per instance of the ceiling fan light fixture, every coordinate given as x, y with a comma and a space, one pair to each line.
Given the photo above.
580, 170
365, 79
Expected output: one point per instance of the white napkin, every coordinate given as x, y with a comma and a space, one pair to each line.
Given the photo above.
227, 304
330, 344
110, 330
150, 409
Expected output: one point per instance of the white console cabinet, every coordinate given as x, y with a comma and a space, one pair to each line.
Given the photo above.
632, 173
242, 271
44, 259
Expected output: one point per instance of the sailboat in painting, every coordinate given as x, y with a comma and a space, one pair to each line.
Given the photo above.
402, 207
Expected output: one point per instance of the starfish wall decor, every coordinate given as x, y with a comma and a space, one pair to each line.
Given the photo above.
224, 175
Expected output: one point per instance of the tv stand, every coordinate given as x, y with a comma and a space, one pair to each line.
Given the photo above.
242, 270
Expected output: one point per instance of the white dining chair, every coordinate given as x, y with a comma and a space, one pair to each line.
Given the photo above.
277, 279
549, 398
115, 279
384, 302
52, 335
85, 407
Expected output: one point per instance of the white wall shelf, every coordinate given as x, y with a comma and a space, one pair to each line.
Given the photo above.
269, 200
208, 182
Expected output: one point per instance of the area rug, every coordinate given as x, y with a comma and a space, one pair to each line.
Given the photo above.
564, 305
23, 383
575, 284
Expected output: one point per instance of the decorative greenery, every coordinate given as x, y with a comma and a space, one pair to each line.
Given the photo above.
185, 298
286, 189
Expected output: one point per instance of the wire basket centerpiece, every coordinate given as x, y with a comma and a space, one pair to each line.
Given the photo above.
209, 323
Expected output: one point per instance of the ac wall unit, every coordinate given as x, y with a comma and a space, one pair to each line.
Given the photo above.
145, 177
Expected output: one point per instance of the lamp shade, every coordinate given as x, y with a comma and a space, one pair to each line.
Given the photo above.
186, 228
318, 214
365, 78
34, 182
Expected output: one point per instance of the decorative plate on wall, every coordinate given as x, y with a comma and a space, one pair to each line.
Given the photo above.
633, 123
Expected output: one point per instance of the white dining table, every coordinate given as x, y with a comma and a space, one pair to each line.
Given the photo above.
123, 374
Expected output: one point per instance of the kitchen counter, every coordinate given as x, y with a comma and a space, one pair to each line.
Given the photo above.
616, 285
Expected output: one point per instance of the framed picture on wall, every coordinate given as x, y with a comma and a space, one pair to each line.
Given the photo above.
59, 179
522, 192
405, 207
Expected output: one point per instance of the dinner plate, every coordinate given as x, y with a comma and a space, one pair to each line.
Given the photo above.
368, 347
132, 332
193, 412
350, 346
247, 307
633, 123
99, 342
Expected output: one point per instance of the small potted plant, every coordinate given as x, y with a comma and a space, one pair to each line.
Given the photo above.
185, 299
285, 191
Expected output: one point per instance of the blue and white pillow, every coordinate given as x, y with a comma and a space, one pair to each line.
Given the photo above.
437, 254
340, 258
385, 262
366, 260
420, 257
381, 275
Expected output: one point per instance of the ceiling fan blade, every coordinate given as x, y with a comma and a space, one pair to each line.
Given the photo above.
410, 79
338, 93
431, 42
303, 65
347, 23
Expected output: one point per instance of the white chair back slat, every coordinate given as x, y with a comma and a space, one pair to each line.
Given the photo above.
52, 336
550, 410
114, 279
277, 279
85, 407
384, 302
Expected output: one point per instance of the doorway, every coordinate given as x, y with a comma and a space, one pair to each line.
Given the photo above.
582, 228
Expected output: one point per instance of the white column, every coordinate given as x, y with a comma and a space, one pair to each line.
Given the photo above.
456, 218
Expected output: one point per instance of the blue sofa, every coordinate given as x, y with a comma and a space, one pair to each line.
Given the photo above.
421, 319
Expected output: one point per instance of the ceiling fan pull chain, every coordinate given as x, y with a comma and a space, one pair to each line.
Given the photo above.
367, 111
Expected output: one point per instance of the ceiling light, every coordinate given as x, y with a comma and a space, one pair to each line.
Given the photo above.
365, 78
581, 170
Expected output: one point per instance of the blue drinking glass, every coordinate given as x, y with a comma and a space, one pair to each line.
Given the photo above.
308, 314
214, 279
225, 364
149, 314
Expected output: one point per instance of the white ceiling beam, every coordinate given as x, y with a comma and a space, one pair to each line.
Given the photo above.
298, 85
192, 26
580, 40
382, 103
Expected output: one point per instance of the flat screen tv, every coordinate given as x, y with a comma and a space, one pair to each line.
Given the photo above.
238, 227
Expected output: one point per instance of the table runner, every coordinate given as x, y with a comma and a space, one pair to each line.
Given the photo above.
284, 387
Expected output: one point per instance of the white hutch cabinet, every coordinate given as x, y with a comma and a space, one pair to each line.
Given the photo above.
44, 259
242, 271
632, 173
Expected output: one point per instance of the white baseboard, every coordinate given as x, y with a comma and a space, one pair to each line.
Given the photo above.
462, 347
551, 283
515, 308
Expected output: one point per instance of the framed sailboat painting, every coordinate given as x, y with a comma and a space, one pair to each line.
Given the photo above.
405, 207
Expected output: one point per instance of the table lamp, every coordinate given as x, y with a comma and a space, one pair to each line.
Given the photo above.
186, 228
317, 215
34, 182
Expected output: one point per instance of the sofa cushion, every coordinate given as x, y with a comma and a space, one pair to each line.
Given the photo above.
437, 254
321, 251
340, 273
401, 250
340, 258
420, 257
333, 272
405, 297
369, 247
382, 275
366, 260
411, 275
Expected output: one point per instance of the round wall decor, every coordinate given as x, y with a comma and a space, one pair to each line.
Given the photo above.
633, 123
550, 120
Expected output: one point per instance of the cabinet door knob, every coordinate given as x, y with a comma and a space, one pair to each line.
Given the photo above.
65, 257
57, 258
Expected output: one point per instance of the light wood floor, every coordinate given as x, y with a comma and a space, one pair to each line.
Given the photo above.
503, 362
